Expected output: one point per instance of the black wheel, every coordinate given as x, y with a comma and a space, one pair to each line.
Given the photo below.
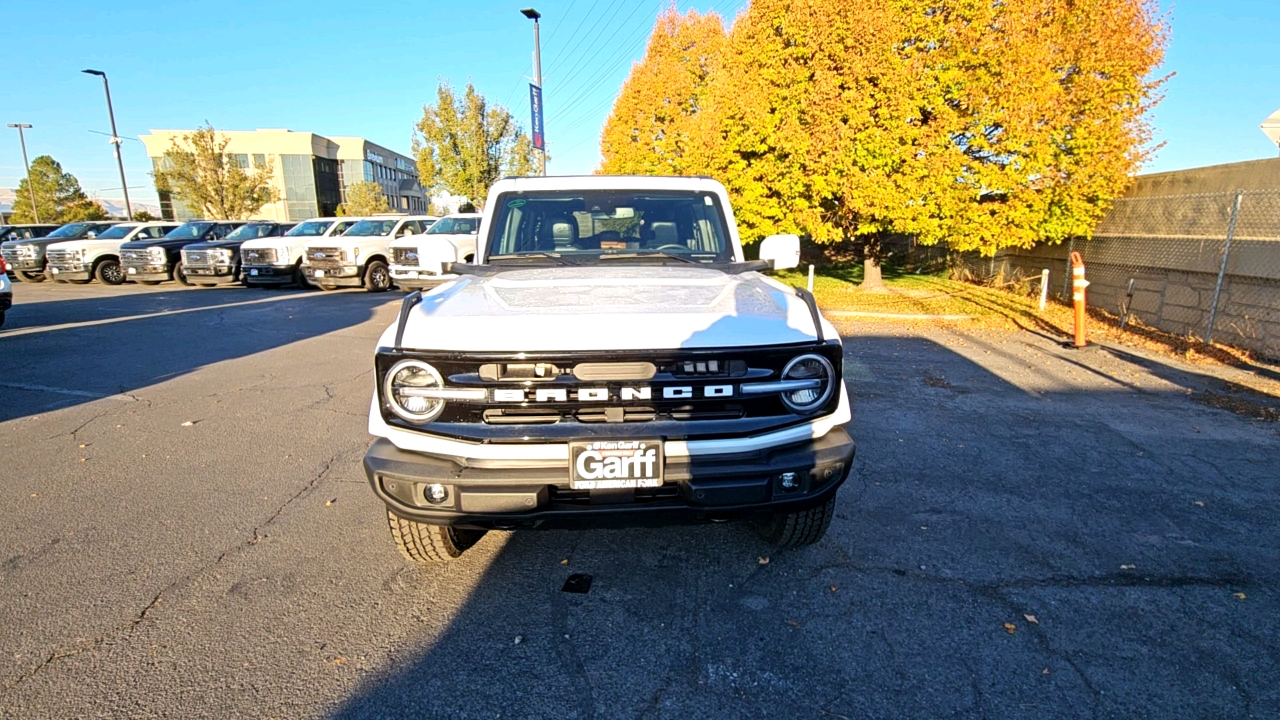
327, 288
109, 272
180, 274
300, 278
377, 277
149, 282
31, 277
2, 318
798, 528
422, 543
79, 282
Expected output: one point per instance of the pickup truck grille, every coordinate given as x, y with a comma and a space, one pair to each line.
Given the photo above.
197, 257
404, 256
135, 257
323, 257
63, 257
259, 256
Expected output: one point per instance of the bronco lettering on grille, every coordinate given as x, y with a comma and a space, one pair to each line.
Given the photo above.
603, 394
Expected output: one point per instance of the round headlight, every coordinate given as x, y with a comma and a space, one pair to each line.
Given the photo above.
402, 387
809, 367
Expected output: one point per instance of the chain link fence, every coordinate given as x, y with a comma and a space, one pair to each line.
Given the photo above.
1205, 266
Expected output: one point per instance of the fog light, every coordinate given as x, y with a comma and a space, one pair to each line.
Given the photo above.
790, 480
437, 494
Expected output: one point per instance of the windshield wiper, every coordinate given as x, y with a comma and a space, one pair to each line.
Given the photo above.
653, 254
523, 255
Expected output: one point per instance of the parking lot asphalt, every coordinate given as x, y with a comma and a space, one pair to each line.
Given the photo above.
1029, 532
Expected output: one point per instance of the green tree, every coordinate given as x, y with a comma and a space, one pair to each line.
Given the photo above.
199, 173
464, 144
143, 216
661, 123
58, 196
364, 198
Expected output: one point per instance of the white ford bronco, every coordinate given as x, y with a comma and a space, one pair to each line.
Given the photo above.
277, 260
610, 359
456, 235
99, 256
360, 257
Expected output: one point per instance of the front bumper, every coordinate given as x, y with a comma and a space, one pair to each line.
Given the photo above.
148, 273
344, 276
407, 278
216, 274
25, 264
696, 489
267, 274
70, 272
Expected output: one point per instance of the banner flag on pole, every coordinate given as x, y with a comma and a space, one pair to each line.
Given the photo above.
535, 110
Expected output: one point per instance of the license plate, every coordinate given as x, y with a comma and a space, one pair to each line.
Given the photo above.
133, 271
55, 270
318, 273
615, 464
253, 272
411, 274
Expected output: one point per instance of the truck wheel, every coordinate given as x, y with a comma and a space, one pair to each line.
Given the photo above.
149, 282
423, 543
2, 318
377, 278
31, 277
109, 272
180, 274
798, 528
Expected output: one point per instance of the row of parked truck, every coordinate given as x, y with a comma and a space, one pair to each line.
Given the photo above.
375, 252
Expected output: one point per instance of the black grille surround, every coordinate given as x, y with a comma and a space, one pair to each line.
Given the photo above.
685, 418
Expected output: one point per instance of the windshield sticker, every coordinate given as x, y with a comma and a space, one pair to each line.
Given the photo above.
516, 203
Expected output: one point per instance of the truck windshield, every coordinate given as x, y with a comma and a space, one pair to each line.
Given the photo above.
190, 230
251, 231
455, 226
116, 232
310, 229
598, 224
372, 227
69, 231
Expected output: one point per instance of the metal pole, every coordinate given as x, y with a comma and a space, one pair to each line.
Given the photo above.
537, 78
1222, 269
31, 188
115, 140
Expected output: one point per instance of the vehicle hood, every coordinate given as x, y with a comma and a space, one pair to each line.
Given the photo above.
86, 244
40, 242
157, 242
607, 308
214, 244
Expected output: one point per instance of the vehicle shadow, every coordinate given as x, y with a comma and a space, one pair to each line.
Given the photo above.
62, 352
1000, 550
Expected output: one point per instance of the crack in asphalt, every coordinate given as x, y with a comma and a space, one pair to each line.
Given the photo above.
129, 625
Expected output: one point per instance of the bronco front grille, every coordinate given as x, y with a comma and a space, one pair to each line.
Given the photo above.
259, 256
404, 256
323, 257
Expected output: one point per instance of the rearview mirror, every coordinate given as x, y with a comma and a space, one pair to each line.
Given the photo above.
782, 252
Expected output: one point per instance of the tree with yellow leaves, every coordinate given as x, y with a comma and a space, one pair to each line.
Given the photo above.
660, 124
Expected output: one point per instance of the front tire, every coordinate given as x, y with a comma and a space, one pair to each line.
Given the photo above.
377, 277
422, 543
149, 282
795, 529
31, 277
109, 272
180, 274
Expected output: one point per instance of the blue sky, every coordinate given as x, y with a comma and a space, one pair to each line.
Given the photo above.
345, 68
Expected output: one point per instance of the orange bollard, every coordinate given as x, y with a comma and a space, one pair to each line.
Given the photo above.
1078, 284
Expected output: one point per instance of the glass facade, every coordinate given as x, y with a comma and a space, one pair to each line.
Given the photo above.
328, 188
299, 186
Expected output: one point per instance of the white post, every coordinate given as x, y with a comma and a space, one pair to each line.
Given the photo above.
1044, 288
810, 277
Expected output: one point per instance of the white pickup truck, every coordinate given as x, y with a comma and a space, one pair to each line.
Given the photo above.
278, 260
360, 257
455, 234
609, 359
87, 258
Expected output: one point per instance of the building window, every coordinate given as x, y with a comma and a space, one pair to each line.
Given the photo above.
240, 159
259, 160
368, 171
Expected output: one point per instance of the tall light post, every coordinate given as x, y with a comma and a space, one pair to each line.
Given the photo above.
535, 95
30, 187
115, 140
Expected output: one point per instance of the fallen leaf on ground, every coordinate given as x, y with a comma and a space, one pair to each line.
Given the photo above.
1128, 567
1031, 619
339, 660
564, 561
519, 639
835, 588
327, 503
1044, 671
1011, 628
793, 623
187, 424
763, 560
1200, 503
1240, 596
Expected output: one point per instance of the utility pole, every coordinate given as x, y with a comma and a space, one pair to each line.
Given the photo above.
30, 187
115, 140
539, 132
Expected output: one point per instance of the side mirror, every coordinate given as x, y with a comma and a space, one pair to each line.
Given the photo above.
782, 252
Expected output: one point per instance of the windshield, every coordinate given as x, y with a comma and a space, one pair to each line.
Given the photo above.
116, 232
190, 230
597, 224
372, 227
71, 230
251, 231
455, 226
310, 229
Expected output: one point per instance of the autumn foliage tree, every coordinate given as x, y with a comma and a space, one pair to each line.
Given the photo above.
974, 123
661, 123
363, 198
198, 172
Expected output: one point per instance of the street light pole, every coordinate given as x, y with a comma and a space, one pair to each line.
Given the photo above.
30, 188
115, 140
534, 15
